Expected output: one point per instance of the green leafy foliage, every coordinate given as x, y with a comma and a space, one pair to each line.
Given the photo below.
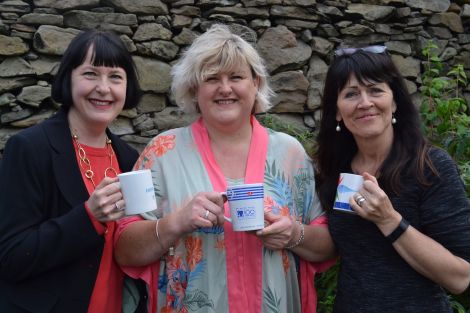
303, 135
444, 111
447, 124
325, 284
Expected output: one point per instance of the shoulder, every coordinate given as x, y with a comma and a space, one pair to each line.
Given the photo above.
163, 144
170, 136
34, 136
44, 133
288, 152
280, 139
27, 148
443, 172
441, 160
439, 155
175, 131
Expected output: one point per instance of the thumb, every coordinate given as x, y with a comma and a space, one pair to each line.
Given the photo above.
271, 217
370, 177
106, 181
215, 197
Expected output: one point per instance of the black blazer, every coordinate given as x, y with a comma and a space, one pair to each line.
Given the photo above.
49, 251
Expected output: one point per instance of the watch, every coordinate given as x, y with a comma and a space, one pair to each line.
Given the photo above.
397, 232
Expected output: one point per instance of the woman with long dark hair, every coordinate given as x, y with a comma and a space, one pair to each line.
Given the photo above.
409, 235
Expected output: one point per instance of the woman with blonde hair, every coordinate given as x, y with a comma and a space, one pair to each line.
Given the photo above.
190, 258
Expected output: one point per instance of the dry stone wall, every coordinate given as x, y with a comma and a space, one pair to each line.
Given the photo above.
297, 38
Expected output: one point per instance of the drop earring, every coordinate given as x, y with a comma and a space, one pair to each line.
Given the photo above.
394, 120
338, 128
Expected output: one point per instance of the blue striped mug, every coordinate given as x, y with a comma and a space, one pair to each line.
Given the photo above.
246, 206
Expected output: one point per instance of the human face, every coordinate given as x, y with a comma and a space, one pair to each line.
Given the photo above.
366, 110
227, 97
98, 93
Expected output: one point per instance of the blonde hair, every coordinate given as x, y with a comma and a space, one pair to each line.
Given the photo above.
217, 50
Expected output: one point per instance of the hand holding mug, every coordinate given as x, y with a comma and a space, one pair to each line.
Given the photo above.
376, 206
105, 203
206, 209
279, 232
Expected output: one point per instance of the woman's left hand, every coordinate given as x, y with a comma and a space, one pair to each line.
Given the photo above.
377, 207
279, 232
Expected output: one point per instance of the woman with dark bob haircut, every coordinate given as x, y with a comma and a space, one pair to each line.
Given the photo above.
60, 196
405, 237
109, 51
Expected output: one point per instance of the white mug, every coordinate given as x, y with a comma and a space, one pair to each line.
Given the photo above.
348, 185
246, 206
137, 190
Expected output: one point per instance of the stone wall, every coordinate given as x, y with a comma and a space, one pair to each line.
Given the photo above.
297, 38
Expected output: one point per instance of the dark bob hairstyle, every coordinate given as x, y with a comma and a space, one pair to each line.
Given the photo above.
109, 51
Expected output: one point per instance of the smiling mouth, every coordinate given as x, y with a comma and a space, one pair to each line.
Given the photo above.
366, 116
225, 101
100, 102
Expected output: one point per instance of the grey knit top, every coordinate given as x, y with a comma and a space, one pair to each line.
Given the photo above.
373, 277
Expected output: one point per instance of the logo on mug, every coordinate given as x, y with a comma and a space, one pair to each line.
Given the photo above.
245, 213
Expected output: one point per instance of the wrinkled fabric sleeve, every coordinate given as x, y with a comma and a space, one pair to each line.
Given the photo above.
445, 207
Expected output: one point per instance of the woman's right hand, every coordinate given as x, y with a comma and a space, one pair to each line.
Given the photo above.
106, 202
206, 209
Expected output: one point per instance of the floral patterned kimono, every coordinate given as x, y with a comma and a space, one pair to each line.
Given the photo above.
216, 269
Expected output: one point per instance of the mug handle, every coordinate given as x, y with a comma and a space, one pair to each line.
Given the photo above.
224, 195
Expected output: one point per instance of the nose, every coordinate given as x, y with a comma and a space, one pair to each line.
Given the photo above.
225, 87
102, 86
365, 101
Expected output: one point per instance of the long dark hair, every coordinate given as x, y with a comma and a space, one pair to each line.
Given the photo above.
409, 152
108, 50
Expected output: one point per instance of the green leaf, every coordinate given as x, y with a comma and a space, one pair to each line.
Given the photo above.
272, 301
197, 299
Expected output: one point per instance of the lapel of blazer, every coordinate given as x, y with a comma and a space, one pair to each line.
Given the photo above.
65, 166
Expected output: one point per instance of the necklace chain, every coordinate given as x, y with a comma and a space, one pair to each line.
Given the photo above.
86, 164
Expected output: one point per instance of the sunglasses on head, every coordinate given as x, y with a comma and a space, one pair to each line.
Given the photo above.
348, 51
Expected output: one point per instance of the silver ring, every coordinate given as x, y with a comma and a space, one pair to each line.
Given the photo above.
206, 215
117, 207
360, 200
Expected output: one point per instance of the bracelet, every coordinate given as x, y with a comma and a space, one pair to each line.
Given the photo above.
301, 238
157, 234
397, 232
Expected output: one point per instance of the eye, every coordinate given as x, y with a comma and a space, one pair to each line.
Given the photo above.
236, 77
89, 74
211, 79
350, 94
116, 77
376, 90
